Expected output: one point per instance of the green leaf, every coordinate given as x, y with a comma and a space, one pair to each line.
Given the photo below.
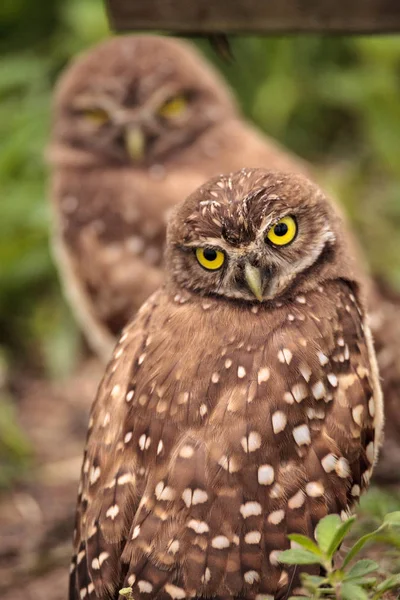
388, 584
298, 556
315, 580
305, 542
361, 568
326, 530
339, 536
355, 549
392, 519
350, 591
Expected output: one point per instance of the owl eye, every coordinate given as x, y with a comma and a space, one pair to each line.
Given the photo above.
283, 232
173, 107
210, 259
98, 116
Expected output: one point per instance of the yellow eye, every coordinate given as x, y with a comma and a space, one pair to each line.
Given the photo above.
283, 232
210, 259
174, 107
98, 116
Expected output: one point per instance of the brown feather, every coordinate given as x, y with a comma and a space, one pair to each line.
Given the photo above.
238, 423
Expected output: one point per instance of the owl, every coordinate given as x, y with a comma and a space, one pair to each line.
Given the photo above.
240, 405
139, 123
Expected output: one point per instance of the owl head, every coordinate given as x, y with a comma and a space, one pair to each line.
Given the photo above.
256, 236
138, 100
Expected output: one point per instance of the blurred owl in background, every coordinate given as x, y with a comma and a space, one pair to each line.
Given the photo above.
139, 122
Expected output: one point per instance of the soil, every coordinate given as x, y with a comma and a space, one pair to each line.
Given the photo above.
37, 515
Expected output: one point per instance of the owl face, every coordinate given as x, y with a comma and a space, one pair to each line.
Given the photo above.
138, 99
253, 236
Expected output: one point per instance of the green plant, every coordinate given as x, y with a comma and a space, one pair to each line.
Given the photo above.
350, 580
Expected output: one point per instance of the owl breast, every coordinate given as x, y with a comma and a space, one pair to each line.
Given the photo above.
241, 425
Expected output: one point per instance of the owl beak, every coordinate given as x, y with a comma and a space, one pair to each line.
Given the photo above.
253, 280
135, 143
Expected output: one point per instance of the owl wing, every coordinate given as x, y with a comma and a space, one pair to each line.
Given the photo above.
108, 242
109, 476
275, 433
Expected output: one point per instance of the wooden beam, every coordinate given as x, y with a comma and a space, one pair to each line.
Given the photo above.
255, 16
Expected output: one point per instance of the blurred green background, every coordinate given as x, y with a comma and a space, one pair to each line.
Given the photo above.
333, 100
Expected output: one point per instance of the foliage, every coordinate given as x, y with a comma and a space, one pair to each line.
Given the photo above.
15, 451
351, 580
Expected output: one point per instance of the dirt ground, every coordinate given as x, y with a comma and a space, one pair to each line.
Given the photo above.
36, 517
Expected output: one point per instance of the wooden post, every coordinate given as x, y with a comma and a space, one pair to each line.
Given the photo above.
255, 16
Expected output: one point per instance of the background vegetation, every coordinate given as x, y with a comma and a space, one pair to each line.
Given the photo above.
334, 101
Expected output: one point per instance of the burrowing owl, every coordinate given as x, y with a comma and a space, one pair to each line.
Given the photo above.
139, 123
240, 405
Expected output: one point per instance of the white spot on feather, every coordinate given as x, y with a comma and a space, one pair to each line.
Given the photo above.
266, 475
357, 414
332, 379
305, 371
371, 407
252, 442
251, 577
241, 372
285, 356
220, 542
342, 468
315, 489
198, 526
274, 557
279, 421
94, 475
113, 511
145, 587
323, 359
203, 410
329, 463
173, 547
252, 537
301, 435
276, 517
128, 437
263, 375
250, 509
318, 390
174, 591
144, 442
97, 562
299, 392
186, 451
116, 391
297, 500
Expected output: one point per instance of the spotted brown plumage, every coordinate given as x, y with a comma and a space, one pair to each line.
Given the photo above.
224, 423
